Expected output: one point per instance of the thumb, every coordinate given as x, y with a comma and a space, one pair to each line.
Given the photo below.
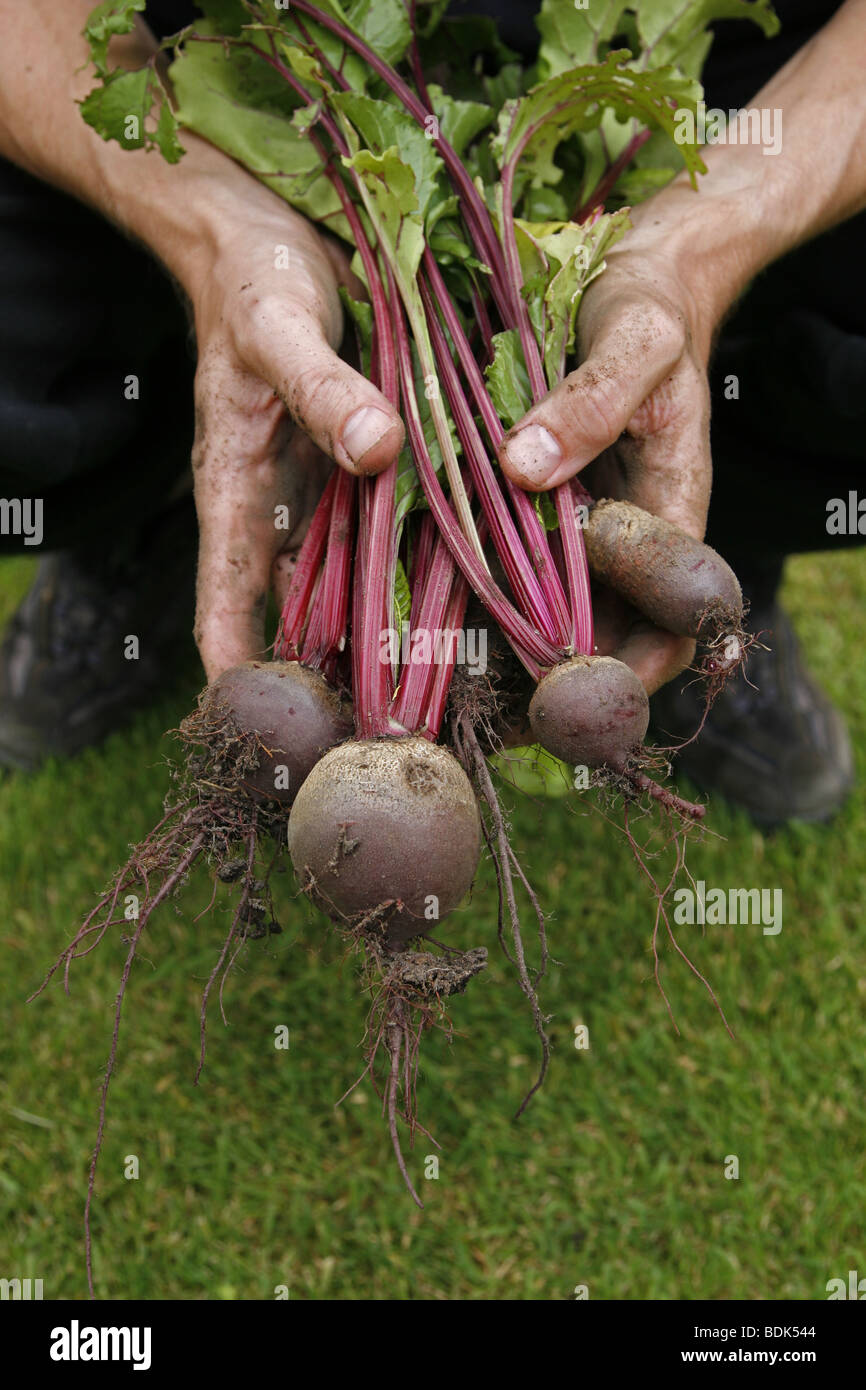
343, 413
588, 411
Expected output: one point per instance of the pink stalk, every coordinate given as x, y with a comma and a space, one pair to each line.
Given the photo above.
415, 60
533, 650
520, 574
422, 554
373, 687
332, 606
359, 586
311, 651
482, 321
576, 568
475, 211
442, 672
416, 676
304, 577
608, 181
534, 533
373, 695
327, 121
520, 313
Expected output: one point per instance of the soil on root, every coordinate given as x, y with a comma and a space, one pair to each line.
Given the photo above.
409, 990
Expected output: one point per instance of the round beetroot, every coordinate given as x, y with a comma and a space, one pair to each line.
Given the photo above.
591, 710
294, 714
387, 832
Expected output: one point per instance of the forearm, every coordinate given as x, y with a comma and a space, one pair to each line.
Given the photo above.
753, 207
179, 211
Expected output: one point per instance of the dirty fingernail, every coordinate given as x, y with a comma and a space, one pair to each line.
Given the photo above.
364, 429
534, 453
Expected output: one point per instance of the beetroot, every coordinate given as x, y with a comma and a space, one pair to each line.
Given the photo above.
293, 714
681, 584
591, 710
387, 834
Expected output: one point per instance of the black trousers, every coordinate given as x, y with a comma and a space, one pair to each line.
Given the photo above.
96, 370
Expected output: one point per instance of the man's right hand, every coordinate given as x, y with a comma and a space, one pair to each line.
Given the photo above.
267, 339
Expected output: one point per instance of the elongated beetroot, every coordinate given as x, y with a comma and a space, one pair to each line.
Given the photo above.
677, 581
387, 834
292, 712
591, 710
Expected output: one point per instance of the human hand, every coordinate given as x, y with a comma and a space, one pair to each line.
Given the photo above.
273, 403
635, 414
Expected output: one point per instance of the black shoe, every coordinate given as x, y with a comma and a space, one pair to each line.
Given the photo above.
777, 747
66, 681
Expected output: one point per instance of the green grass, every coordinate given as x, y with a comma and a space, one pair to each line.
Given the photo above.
614, 1179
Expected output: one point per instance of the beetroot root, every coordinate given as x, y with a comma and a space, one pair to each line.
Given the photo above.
386, 834
591, 710
678, 582
292, 711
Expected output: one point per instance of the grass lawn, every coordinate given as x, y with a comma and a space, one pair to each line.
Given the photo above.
615, 1177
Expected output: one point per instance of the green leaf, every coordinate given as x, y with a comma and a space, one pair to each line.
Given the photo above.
361, 313
571, 37
384, 127
117, 110
307, 69
392, 203
291, 41
402, 597
532, 128
508, 379
443, 208
534, 771
166, 138
640, 183
545, 509
227, 16
407, 491
215, 93
574, 255
466, 46
103, 23
509, 82
545, 205
675, 31
428, 16
446, 240
383, 24
659, 32
459, 121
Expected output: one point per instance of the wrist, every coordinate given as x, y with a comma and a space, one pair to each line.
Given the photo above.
180, 212
715, 240
212, 223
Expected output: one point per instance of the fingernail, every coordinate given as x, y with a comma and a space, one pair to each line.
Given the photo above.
534, 452
363, 430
